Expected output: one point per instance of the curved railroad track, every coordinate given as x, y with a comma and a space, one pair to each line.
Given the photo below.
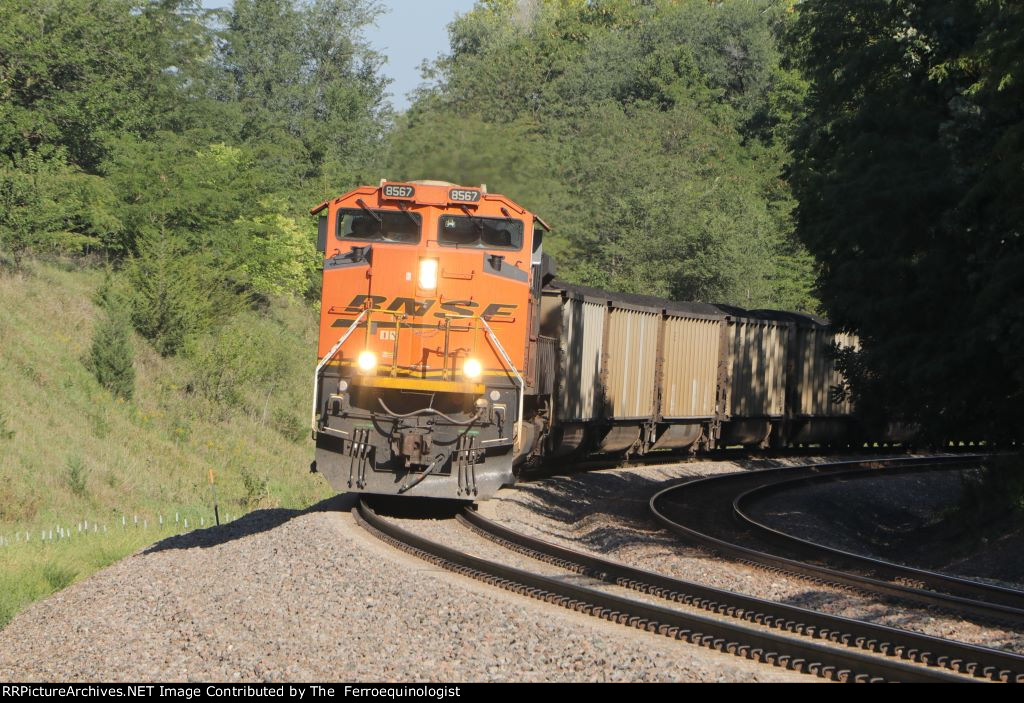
828, 646
713, 513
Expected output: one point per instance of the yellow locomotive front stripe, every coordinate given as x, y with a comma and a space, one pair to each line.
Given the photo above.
418, 384
493, 375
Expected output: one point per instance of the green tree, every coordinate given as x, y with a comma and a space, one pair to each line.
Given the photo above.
111, 354
216, 203
74, 76
74, 73
48, 206
307, 86
171, 187
279, 255
667, 202
169, 301
907, 173
651, 135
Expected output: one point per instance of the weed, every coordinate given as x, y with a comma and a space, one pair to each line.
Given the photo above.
100, 426
255, 488
76, 475
6, 432
58, 576
181, 430
290, 426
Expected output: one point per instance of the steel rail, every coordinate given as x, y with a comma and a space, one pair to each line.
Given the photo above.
930, 579
894, 642
760, 645
818, 573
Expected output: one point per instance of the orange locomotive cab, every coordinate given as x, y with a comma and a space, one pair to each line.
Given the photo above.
426, 382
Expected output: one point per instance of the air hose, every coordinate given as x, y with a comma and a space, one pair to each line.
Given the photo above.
429, 411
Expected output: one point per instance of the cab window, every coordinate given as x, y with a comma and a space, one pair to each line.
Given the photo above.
471, 231
379, 226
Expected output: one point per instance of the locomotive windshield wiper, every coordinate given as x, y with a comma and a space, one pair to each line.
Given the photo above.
473, 218
371, 213
508, 216
407, 214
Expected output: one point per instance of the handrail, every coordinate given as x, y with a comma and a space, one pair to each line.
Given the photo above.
323, 362
517, 442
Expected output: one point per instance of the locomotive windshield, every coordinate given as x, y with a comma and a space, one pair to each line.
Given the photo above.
480, 232
379, 226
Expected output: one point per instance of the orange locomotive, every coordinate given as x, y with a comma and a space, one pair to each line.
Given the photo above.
427, 382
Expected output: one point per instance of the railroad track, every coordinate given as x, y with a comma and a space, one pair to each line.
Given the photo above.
714, 513
599, 462
828, 646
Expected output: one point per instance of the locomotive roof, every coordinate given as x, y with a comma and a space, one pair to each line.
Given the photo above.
428, 192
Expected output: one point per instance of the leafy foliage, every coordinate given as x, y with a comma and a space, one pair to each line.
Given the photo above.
651, 135
46, 205
279, 258
908, 173
77, 475
156, 119
306, 86
74, 73
170, 299
110, 356
227, 366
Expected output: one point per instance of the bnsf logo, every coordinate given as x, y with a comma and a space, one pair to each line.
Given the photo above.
419, 308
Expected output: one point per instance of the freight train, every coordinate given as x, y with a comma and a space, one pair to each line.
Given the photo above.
450, 358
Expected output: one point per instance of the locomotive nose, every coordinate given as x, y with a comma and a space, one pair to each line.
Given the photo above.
420, 324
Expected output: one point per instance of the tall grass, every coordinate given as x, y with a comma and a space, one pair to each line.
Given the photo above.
37, 568
71, 450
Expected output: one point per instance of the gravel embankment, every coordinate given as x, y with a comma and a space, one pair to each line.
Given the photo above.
606, 513
906, 519
281, 595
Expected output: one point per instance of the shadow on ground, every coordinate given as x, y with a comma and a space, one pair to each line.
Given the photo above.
557, 499
608, 510
250, 524
266, 520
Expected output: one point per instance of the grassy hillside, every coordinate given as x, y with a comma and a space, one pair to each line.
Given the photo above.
70, 452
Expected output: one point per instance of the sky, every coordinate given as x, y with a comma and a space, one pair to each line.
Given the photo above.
407, 32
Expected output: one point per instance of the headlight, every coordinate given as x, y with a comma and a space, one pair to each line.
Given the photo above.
428, 274
472, 369
366, 360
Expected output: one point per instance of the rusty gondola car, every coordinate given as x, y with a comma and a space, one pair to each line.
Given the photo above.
449, 357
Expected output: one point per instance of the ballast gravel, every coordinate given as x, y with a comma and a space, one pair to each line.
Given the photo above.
606, 513
909, 519
284, 595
